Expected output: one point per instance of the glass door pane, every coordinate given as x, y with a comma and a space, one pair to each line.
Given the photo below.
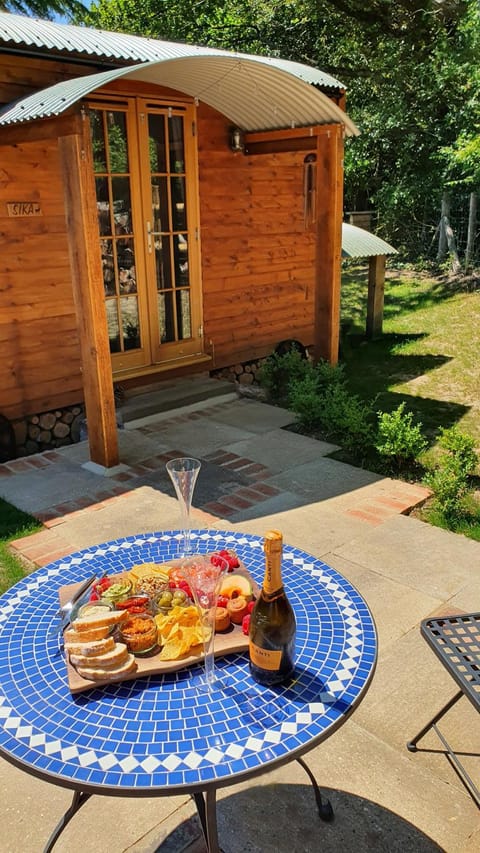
114, 206
169, 226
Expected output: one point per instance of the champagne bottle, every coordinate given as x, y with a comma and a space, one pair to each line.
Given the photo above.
272, 623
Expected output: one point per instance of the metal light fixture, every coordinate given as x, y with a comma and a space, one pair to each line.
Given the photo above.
237, 139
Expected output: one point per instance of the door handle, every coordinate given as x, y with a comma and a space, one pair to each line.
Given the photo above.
149, 238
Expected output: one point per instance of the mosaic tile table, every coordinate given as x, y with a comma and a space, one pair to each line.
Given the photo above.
159, 735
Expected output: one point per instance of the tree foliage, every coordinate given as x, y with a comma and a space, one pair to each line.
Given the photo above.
46, 9
412, 78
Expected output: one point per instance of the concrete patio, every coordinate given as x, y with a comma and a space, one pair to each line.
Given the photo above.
255, 475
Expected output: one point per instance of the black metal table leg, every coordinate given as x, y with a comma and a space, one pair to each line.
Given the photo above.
412, 744
78, 799
325, 809
207, 813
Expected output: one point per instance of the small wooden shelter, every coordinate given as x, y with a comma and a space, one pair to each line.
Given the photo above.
164, 209
360, 243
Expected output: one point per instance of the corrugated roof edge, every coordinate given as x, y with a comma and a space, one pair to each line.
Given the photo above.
359, 243
85, 41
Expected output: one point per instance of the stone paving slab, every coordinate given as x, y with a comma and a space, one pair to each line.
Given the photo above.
396, 607
254, 416
321, 479
280, 450
404, 697
430, 560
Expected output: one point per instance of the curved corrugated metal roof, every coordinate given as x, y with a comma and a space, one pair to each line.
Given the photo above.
358, 243
67, 38
253, 94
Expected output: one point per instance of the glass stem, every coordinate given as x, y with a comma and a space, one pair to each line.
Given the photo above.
185, 519
208, 646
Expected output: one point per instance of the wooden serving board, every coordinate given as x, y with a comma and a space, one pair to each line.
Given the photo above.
233, 640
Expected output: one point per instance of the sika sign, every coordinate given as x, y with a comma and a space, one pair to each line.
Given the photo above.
24, 208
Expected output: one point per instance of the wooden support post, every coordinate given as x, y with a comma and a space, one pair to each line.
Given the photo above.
87, 283
329, 204
376, 293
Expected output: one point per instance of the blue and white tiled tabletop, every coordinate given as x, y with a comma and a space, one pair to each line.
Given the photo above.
160, 732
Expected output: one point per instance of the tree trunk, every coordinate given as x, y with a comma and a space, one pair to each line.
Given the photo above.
452, 248
472, 227
442, 235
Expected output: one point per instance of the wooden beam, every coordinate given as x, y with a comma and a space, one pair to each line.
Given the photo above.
328, 205
87, 282
287, 139
376, 293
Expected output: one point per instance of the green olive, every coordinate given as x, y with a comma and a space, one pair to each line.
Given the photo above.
179, 595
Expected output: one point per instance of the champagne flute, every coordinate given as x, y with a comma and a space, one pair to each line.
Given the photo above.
183, 474
204, 579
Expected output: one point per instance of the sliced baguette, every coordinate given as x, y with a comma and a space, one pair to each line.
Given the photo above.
113, 673
85, 623
72, 636
90, 648
114, 657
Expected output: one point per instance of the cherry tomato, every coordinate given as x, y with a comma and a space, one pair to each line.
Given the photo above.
246, 623
250, 606
222, 601
176, 576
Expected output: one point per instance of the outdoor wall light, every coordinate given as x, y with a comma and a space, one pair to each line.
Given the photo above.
237, 139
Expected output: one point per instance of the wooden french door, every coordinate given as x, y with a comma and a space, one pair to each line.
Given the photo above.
146, 187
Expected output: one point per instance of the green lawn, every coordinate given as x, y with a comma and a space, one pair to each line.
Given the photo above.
429, 354
13, 524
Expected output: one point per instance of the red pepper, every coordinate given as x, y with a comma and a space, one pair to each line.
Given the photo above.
139, 601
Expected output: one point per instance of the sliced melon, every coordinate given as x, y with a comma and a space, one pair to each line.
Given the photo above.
234, 585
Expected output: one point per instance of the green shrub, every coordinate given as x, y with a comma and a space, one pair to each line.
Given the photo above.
322, 402
279, 372
306, 401
399, 440
449, 478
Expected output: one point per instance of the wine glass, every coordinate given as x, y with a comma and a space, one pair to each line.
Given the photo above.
183, 474
204, 579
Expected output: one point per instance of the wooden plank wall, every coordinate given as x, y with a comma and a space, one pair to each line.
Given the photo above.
39, 345
21, 75
258, 260
38, 330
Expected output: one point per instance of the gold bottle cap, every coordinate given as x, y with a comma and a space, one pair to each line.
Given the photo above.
273, 542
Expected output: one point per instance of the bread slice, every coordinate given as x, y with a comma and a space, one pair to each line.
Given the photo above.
72, 636
92, 620
90, 648
115, 656
112, 673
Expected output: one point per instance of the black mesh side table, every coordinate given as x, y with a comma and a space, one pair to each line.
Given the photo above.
456, 642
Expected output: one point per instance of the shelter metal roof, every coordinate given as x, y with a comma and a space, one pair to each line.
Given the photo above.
254, 92
253, 95
358, 243
67, 38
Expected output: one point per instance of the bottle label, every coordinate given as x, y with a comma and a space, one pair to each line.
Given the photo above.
272, 581
264, 658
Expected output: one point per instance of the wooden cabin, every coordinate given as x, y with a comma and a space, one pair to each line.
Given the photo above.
164, 209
